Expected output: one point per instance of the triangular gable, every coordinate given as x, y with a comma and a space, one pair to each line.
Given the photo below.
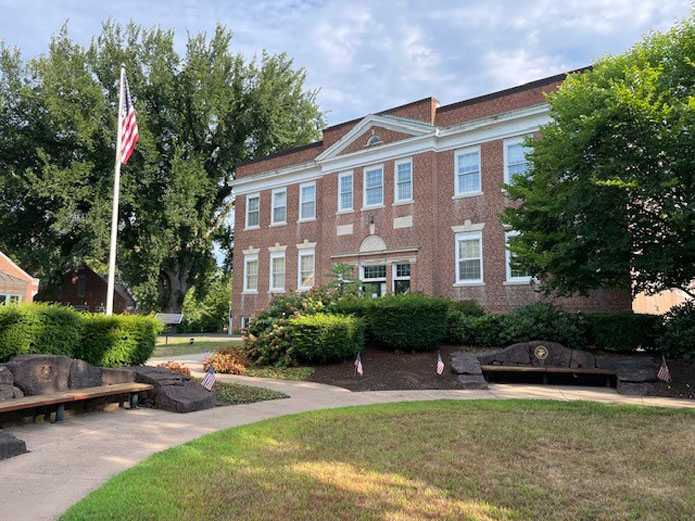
396, 128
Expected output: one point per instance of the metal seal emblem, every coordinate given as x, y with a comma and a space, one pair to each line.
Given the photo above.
541, 352
45, 372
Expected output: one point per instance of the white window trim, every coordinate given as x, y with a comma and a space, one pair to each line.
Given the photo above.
396, 200
377, 279
457, 154
272, 207
313, 217
247, 259
463, 237
246, 223
305, 253
276, 255
508, 258
366, 169
349, 174
5, 298
518, 140
394, 274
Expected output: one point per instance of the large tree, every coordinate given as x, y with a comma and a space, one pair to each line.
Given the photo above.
610, 197
198, 113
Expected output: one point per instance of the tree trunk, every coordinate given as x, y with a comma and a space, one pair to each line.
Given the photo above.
174, 291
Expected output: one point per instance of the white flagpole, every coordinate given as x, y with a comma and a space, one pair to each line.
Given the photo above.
114, 215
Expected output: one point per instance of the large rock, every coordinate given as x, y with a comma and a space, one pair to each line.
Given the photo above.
40, 374
188, 397
10, 446
6, 392
472, 381
159, 376
551, 354
83, 374
116, 376
636, 370
634, 388
463, 363
582, 360
17, 392
6, 377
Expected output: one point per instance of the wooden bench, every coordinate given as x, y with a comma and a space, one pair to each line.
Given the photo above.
59, 400
545, 371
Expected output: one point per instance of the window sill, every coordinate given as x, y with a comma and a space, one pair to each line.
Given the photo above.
400, 203
374, 207
276, 292
303, 289
467, 195
519, 282
249, 292
306, 220
275, 225
471, 284
344, 212
251, 228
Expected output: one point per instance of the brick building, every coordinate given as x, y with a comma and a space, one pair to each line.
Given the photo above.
410, 196
16, 285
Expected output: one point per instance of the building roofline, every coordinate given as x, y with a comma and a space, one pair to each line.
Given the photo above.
280, 153
512, 90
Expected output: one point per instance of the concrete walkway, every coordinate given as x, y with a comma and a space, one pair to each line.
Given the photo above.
68, 461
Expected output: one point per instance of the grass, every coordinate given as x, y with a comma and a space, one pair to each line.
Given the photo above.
237, 394
182, 346
458, 460
280, 373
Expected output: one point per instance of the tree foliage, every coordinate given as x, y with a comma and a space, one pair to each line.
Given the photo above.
611, 190
198, 112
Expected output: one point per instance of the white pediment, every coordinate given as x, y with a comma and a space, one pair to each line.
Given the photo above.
411, 127
372, 243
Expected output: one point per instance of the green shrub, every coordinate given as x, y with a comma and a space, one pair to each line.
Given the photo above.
413, 322
37, 328
543, 321
677, 339
324, 338
623, 331
468, 307
117, 340
470, 330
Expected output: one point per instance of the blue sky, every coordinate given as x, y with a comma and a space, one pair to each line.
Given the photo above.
366, 56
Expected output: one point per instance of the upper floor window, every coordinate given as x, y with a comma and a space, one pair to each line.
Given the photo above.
373, 186
253, 210
345, 192
279, 209
373, 140
306, 269
515, 272
250, 273
469, 257
403, 184
467, 171
277, 271
307, 201
515, 162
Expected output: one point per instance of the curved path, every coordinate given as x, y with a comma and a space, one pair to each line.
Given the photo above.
68, 461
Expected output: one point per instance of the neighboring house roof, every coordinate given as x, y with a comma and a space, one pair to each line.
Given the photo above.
23, 274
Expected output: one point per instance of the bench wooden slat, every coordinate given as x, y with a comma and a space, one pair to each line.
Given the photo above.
541, 369
74, 395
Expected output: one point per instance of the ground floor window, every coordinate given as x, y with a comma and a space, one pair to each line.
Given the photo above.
374, 280
515, 272
469, 257
306, 269
9, 298
401, 278
245, 320
277, 271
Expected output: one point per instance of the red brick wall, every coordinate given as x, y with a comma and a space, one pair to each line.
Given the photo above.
94, 298
9, 267
386, 135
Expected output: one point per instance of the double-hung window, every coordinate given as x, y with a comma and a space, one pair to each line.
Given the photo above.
306, 269
515, 162
345, 192
251, 273
401, 278
373, 186
515, 272
253, 210
279, 206
277, 271
467, 166
9, 298
307, 201
403, 182
374, 280
469, 257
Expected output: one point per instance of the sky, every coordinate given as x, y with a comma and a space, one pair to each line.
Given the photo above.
366, 56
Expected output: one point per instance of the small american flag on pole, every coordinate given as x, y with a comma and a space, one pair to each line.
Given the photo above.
440, 364
664, 374
209, 378
358, 365
129, 127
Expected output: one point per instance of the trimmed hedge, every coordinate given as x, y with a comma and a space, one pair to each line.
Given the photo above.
412, 322
468, 307
543, 321
324, 338
117, 340
482, 331
623, 331
677, 338
38, 328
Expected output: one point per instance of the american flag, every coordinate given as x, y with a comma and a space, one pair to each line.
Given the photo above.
129, 127
209, 378
440, 364
358, 365
664, 374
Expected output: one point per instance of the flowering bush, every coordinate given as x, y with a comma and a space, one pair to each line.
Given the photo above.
228, 360
175, 367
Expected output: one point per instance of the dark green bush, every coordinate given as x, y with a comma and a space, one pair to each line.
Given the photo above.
117, 340
543, 321
623, 331
475, 331
324, 338
37, 328
677, 339
468, 307
413, 322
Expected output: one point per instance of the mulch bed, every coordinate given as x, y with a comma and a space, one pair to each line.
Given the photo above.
386, 370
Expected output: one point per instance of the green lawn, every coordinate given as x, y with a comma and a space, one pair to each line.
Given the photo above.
182, 346
236, 394
280, 373
457, 460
